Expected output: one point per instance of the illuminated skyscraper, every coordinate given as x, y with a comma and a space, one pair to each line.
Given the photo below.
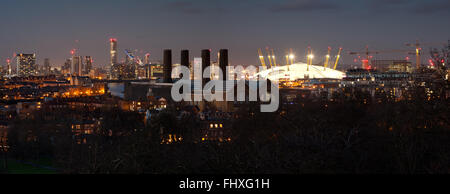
113, 65
26, 65
47, 67
8, 67
88, 65
113, 51
66, 68
76, 66
147, 58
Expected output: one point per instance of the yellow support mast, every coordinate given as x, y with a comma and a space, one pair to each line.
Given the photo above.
273, 58
287, 58
307, 55
268, 56
327, 59
310, 58
337, 58
261, 58
291, 57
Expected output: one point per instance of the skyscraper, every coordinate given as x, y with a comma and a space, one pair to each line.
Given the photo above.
113, 59
67, 67
76, 66
8, 67
26, 65
88, 65
113, 51
147, 58
47, 67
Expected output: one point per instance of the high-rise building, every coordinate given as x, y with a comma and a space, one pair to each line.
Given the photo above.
76, 68
113, 51
88, 65
147, 58
8, 67
66, 68
26, 65
47, 67
113, 58
392, 65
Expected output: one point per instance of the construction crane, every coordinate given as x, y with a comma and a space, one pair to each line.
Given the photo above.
327, 59
269, 57
418, 48
261, 58
136, 59
338, 56
366, 61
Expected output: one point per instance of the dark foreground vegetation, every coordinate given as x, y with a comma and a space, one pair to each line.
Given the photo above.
308, 137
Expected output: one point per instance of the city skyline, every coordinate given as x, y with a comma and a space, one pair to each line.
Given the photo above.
51, 29
230, 95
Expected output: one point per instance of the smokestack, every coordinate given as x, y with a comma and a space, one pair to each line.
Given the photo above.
223, 61
206, 62
167, 69
185, 58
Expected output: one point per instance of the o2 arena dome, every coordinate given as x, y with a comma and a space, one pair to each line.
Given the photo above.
298, 71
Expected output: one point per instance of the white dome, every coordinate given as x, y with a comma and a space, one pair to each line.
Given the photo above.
299, 71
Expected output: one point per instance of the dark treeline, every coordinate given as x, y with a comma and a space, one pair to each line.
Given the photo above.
348, 135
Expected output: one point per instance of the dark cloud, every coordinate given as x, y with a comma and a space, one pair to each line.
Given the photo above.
432, 7
304, 6
392, 2
187, 7
385, 6
195, 7
410, 6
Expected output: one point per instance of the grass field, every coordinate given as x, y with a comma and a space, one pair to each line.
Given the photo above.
28, 167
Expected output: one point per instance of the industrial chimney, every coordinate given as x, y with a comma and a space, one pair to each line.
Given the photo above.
206, 62
185, 58
223, 61
167, 69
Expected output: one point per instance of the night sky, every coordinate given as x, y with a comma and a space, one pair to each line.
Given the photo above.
51, 28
